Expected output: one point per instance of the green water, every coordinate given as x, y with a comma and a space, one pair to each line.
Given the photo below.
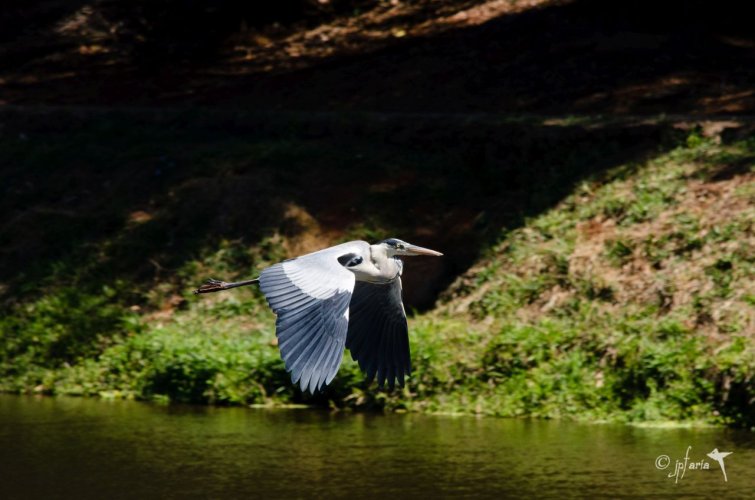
86, 448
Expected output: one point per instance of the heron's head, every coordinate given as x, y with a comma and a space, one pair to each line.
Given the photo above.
397, 247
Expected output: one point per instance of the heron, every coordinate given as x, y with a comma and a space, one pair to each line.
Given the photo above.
346, 296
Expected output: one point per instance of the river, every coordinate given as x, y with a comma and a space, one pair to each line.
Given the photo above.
94, 449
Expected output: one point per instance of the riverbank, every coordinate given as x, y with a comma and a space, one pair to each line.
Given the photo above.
596, 269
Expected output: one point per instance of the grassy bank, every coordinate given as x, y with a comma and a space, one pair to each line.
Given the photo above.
633, 297
603, 285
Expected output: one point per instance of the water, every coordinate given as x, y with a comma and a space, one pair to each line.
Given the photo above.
85, 448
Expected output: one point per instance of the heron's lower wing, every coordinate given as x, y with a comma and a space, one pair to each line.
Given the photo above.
378, 336
310, 295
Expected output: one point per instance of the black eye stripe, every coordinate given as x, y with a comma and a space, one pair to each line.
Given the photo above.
350, 260
393, 242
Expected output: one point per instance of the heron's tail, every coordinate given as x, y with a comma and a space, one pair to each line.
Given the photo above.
213, 285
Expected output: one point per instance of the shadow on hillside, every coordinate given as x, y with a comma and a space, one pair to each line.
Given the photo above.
93, 198
584, 56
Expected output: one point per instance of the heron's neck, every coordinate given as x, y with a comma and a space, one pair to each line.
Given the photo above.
387, 267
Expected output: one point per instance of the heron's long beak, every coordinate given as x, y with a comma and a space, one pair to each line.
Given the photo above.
415, 250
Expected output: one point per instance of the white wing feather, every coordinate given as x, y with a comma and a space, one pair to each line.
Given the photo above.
311, 295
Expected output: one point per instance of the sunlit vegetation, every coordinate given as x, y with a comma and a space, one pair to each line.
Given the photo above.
629, 298
632, 298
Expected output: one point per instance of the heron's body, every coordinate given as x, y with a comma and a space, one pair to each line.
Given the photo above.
348, 296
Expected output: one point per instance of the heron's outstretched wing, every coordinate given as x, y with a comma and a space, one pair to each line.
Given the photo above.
378, 336
310, 295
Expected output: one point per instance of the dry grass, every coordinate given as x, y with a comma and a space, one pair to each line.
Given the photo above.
664, 257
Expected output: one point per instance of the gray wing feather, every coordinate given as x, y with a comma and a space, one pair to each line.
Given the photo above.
378, 336
310, 295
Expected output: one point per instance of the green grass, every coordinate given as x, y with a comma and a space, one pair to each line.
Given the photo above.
616, 339
620, 302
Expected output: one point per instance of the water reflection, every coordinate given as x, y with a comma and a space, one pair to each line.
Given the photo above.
81, 448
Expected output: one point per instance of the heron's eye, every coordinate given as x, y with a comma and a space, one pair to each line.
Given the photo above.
350, 260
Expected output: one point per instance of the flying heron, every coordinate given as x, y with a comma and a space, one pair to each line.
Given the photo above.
348, 296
